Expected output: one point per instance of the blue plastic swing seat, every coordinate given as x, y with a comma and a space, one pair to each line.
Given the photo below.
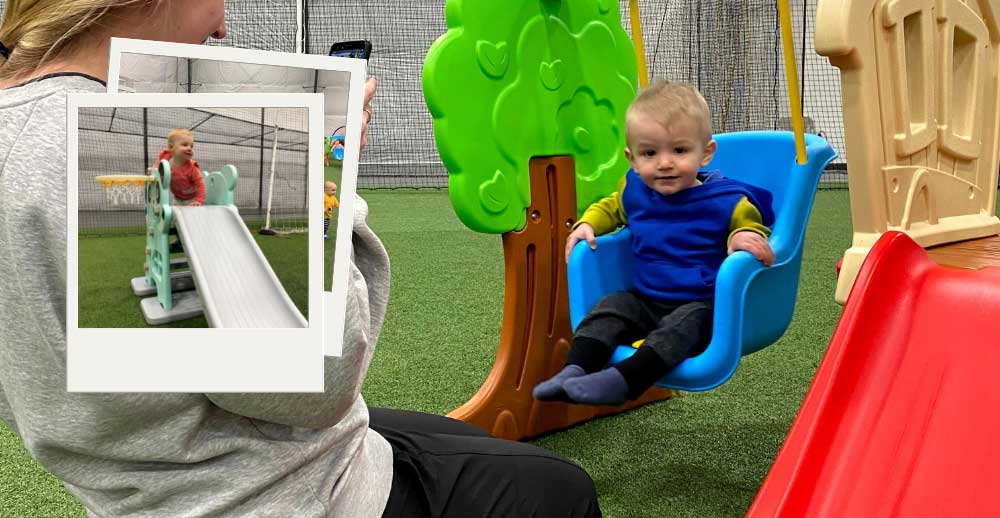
753, 303
338, 152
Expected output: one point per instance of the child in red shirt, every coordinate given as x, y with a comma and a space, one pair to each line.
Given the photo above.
187, 186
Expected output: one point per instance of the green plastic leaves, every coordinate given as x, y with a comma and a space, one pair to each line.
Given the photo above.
513, 80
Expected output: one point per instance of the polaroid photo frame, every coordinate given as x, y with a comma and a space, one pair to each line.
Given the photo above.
197, 360
335, 299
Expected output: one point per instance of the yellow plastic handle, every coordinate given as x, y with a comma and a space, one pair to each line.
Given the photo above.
793, 81
640, 52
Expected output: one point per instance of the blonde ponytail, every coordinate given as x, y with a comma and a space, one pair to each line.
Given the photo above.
39, 31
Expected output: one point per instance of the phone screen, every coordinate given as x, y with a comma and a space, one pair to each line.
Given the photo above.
350, 53
358, 49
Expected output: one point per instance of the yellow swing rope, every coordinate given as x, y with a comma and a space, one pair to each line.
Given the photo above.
784, 15
640, 52
793, 81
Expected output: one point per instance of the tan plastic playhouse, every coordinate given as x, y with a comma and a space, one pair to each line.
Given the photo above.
919, 88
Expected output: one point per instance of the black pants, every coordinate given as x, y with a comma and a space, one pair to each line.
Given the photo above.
673, 332
444, 468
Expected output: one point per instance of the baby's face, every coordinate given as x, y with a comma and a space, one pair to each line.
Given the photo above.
182, 148
331, 189
667, 159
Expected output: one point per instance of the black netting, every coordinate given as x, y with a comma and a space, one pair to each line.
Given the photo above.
821, 97
401, 150
262, 25
730, 50
115, 141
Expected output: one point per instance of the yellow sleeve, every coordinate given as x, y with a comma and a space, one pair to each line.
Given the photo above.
336, 204
606, 215
746, 217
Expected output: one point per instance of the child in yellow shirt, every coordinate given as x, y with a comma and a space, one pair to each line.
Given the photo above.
329, 203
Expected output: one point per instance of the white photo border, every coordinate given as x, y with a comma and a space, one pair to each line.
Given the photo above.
335, 300
196, 360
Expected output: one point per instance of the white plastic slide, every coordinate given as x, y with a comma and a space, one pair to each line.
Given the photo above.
235, 282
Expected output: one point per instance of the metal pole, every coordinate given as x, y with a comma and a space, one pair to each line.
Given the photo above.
802, 77
305, 26
298, 28
270, 187
145, 138
260, 187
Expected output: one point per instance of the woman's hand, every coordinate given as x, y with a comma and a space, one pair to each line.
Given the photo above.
366, 117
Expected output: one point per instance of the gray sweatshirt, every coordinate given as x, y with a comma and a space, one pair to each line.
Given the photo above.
169, 455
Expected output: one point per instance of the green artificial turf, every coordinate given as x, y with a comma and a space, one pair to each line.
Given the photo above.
107, 265
333, 172
700, 455
26, 489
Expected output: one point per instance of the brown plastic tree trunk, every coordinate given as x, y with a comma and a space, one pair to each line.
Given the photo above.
536, 334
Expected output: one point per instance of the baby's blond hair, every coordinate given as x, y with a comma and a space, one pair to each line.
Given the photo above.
39, 31
178, 133
666, 102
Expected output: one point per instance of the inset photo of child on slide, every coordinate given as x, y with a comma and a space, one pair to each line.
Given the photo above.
177, 208
147, 67
141, 66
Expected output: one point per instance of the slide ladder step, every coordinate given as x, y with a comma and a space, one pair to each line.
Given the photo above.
186, 305
179, 281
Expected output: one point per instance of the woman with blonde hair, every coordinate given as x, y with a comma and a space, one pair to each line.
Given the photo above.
219, 455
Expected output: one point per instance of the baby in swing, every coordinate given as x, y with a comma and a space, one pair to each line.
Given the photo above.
684, 222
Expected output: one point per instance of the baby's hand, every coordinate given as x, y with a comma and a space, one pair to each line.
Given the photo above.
754, 243
584, 231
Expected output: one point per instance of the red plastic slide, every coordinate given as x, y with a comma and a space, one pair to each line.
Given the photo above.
903, 417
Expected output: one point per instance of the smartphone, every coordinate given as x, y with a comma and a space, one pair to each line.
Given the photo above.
360, 49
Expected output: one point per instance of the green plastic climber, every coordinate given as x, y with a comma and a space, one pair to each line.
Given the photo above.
540, 79
529, 101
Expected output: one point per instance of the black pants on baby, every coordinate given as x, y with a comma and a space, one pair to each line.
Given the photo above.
444, 468
673, 333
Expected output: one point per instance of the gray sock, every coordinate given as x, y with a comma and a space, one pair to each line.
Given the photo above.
551, 389
606, 387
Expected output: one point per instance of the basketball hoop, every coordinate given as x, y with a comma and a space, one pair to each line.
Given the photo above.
120, 189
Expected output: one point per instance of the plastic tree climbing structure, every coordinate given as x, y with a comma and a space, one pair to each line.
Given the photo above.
529, 100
